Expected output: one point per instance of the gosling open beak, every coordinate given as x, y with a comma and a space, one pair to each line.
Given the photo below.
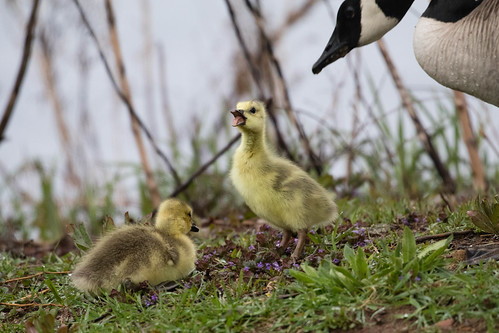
334, 50
194, 228
239, 118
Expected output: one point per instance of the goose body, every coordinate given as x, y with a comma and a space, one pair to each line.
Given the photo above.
456, 42
273, 187
141, 253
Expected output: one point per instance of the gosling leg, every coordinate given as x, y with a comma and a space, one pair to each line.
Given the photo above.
286, 237
302, 239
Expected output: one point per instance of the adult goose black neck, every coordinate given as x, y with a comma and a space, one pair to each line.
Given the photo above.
394, 8
450, 11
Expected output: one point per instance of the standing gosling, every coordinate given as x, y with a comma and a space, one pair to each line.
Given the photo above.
274, 188
139, 253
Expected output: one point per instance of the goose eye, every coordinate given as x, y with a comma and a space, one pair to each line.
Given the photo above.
189, 214
253, 110
349, 12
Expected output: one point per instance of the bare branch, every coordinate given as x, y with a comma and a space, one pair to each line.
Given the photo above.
54, 96
28, 41
470, 141
314, 159
294, 17
205, 166
150, 181
124, 99
255, 73
424, 137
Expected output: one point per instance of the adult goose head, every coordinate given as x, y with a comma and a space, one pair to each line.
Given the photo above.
456, 42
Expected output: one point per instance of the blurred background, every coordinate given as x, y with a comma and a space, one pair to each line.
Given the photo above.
69, 154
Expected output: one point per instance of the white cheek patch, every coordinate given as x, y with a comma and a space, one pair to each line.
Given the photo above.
374, 23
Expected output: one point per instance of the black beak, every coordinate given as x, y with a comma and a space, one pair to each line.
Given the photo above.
194, 228
335, 49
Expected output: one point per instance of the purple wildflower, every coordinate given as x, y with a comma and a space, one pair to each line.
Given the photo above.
312, 232
360, 231
268, 266
276, 266
259, 265
296, 266
246, 269
251, 247
438, 220
416, 219
321, 251
404, 221
336, 261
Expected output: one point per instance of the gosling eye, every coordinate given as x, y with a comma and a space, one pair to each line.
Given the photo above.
253, 110
189, 214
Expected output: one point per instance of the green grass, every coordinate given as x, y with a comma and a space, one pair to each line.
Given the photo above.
351, 277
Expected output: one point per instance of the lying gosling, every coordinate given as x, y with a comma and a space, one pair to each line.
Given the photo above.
274, 188
138, 253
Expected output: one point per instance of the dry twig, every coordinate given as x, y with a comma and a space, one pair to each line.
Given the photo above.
256, 75
27, 305
314, 159
32, 276
123, 98
470, 141
444, 235
28, 41
125, 87
424, 137
205, 166
48, 71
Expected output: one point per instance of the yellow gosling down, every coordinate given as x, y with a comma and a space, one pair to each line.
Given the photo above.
273, 187
140, 253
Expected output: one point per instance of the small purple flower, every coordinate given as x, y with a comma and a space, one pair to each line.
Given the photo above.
360, 231
418, 278
336, 261
296, 241
259, 265
246, 269
312, 232
276, 266
278, 244
187, 285
404, 221
424, 219
251, 247
154, 298
321, 251
416, 219
438, 220
268, 266
296, 266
